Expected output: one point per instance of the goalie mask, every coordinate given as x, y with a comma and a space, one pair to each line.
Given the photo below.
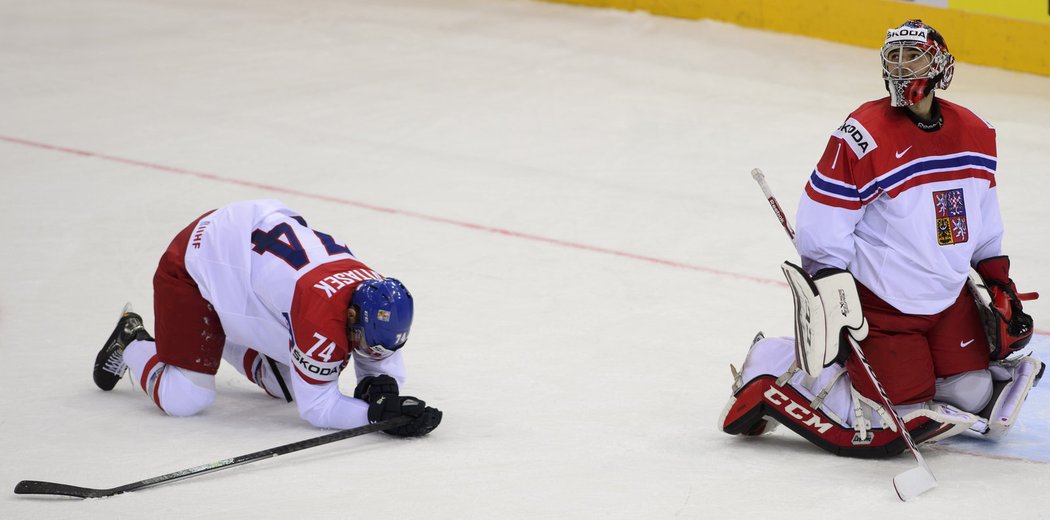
915, 60
383, 317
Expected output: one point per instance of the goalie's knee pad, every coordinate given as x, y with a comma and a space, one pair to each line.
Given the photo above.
968, 391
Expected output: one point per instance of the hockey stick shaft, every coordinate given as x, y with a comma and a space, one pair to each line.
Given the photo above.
760, 178
926, 480
36, 487
885, 400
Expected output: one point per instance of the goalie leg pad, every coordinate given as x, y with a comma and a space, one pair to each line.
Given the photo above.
1002, 412
770, 389
762, 399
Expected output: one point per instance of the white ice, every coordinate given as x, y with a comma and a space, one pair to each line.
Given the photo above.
566, 192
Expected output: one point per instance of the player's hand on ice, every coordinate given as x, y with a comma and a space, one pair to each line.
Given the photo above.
372, 388
424, 418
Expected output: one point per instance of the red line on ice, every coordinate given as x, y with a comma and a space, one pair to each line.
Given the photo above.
405, 213
394, 211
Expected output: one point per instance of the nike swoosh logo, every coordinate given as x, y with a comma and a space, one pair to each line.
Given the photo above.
965, 344
901, 154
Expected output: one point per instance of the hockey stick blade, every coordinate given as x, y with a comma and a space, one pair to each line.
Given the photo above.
913, 482
38, 487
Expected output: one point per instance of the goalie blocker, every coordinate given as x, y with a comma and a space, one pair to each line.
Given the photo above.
826, 307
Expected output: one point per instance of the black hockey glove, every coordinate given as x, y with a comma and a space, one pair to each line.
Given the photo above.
425, 418
374, 387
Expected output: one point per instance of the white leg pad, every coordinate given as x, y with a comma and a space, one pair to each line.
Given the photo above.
1008, 405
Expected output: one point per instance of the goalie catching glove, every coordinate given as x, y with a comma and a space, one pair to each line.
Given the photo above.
1008, 327
424, 418
827, 306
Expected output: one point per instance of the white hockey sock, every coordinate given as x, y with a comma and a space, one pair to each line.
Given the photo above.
259, 369
177, 391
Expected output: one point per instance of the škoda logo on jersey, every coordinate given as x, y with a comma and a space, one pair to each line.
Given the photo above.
950, 209
857, 137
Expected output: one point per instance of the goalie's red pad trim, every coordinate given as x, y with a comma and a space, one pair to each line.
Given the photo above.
761, 397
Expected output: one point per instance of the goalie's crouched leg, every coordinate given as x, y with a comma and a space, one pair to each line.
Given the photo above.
824, 410
761, 400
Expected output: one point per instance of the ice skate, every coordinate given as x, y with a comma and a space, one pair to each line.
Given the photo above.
109, 364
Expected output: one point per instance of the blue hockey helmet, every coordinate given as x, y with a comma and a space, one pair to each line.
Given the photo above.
384, 316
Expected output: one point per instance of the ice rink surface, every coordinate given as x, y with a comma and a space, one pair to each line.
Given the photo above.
564, 190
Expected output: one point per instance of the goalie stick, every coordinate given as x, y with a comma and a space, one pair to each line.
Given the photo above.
37, 487
910, 483
760, 178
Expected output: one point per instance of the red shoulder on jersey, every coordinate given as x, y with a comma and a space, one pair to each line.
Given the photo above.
318, 318
838, 176
879, 150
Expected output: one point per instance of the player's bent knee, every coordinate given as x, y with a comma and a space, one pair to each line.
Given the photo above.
968, 391
183, 392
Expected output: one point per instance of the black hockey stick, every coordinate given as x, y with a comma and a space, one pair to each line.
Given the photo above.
910, 483
37, 487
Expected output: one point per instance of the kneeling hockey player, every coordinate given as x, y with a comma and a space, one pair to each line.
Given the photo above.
898, 230
287, 306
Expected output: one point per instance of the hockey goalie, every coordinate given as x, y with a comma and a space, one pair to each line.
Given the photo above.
810, 382
903, 286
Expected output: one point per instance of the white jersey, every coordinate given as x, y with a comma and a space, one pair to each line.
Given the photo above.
905, 211
283, 289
